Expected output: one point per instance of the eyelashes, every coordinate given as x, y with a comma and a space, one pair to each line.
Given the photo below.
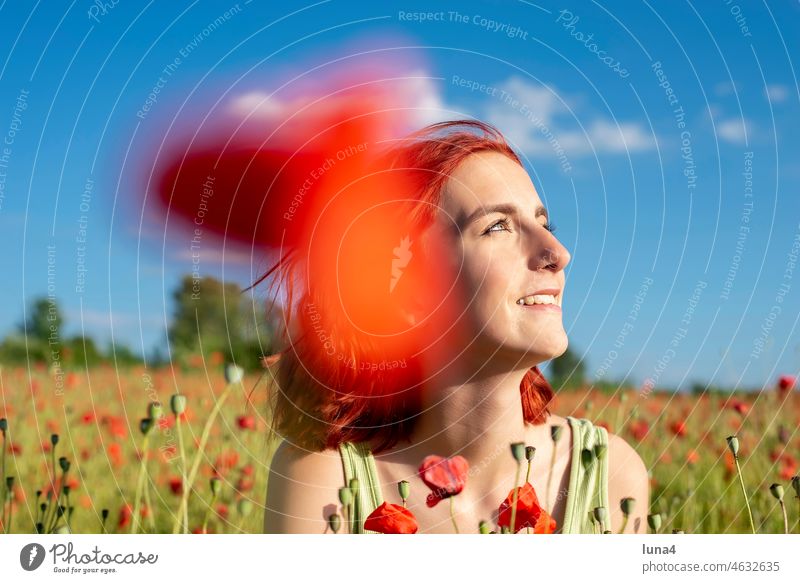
504, 223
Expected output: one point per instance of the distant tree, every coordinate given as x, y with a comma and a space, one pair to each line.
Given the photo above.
567, 370
44, 321
82, 352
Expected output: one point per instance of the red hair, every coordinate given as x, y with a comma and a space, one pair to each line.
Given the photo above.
336, 381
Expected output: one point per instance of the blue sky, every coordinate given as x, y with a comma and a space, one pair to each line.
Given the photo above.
639, 122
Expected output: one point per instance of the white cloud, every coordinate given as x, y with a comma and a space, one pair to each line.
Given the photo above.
734, 131
776, 93
536, 124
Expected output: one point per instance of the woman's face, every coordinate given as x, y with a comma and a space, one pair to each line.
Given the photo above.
492, 218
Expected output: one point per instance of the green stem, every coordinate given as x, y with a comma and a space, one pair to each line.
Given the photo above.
10, 513
201, 447
785, 518
139, 483
453, 515
528, 473
208, 511
150, 511
182, 521
624, 523
3, 481
514, 502
744, 492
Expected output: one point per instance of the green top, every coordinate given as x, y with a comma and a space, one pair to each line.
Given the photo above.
588, 479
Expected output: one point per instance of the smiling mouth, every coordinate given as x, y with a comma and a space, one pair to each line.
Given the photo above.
546, 299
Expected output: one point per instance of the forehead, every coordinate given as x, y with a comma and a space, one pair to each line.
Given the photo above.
488, 178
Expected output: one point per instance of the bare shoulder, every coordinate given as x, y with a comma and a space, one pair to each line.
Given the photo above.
302, 490
627, 478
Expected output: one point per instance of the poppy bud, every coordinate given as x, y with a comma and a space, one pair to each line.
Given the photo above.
483, 527
587, 458
54, 439
345, 496
3, 425
178, 404
530, 451
777, 491
403, 488
39, 528
627, 505
555, 432
64, 464
796, 485
155, 410
600, 514
233, 374
600, 450
216, 486
244, 506
10, 483
145, 425
354, 486
38, 494
733, 445
42, 506
104, 513
654, 521
518, 450
334, 521
66, 489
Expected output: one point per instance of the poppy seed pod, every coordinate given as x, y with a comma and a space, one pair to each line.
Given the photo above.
600, 514
518, 450
155, 410
733, 445
530, 452
555, 432
216, 486
354, 486
334, 521
54, 439
64, 464
233, 374
345, 496
244, 506
178, 404
777, 491
654, 521
483, 527
3, 424
145, 425
104, 513
627, 505
403, 488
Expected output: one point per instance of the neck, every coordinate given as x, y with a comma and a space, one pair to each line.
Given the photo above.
472, 408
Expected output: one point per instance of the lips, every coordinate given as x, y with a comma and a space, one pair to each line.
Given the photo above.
552, 297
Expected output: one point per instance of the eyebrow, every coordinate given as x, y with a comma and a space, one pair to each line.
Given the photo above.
465, 220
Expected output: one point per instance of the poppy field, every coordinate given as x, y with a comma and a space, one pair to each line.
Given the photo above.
187, 451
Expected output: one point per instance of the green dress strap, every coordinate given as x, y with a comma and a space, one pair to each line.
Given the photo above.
588, 480
357, 462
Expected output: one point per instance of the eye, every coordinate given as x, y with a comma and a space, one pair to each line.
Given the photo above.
501, 223
550, 227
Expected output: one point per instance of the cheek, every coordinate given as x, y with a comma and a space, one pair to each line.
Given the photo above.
487, 283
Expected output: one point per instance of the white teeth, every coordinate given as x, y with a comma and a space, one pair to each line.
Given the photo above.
537, 299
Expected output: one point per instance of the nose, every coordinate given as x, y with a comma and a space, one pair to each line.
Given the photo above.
550, 254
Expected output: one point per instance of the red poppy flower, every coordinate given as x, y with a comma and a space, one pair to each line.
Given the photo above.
444, 476
692, 457
739, 406
678, 428
391, 519
176, 485
639, 429
786, 383
124, 517
246, 422
529, 512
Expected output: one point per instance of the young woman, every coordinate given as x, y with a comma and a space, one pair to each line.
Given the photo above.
440, 358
